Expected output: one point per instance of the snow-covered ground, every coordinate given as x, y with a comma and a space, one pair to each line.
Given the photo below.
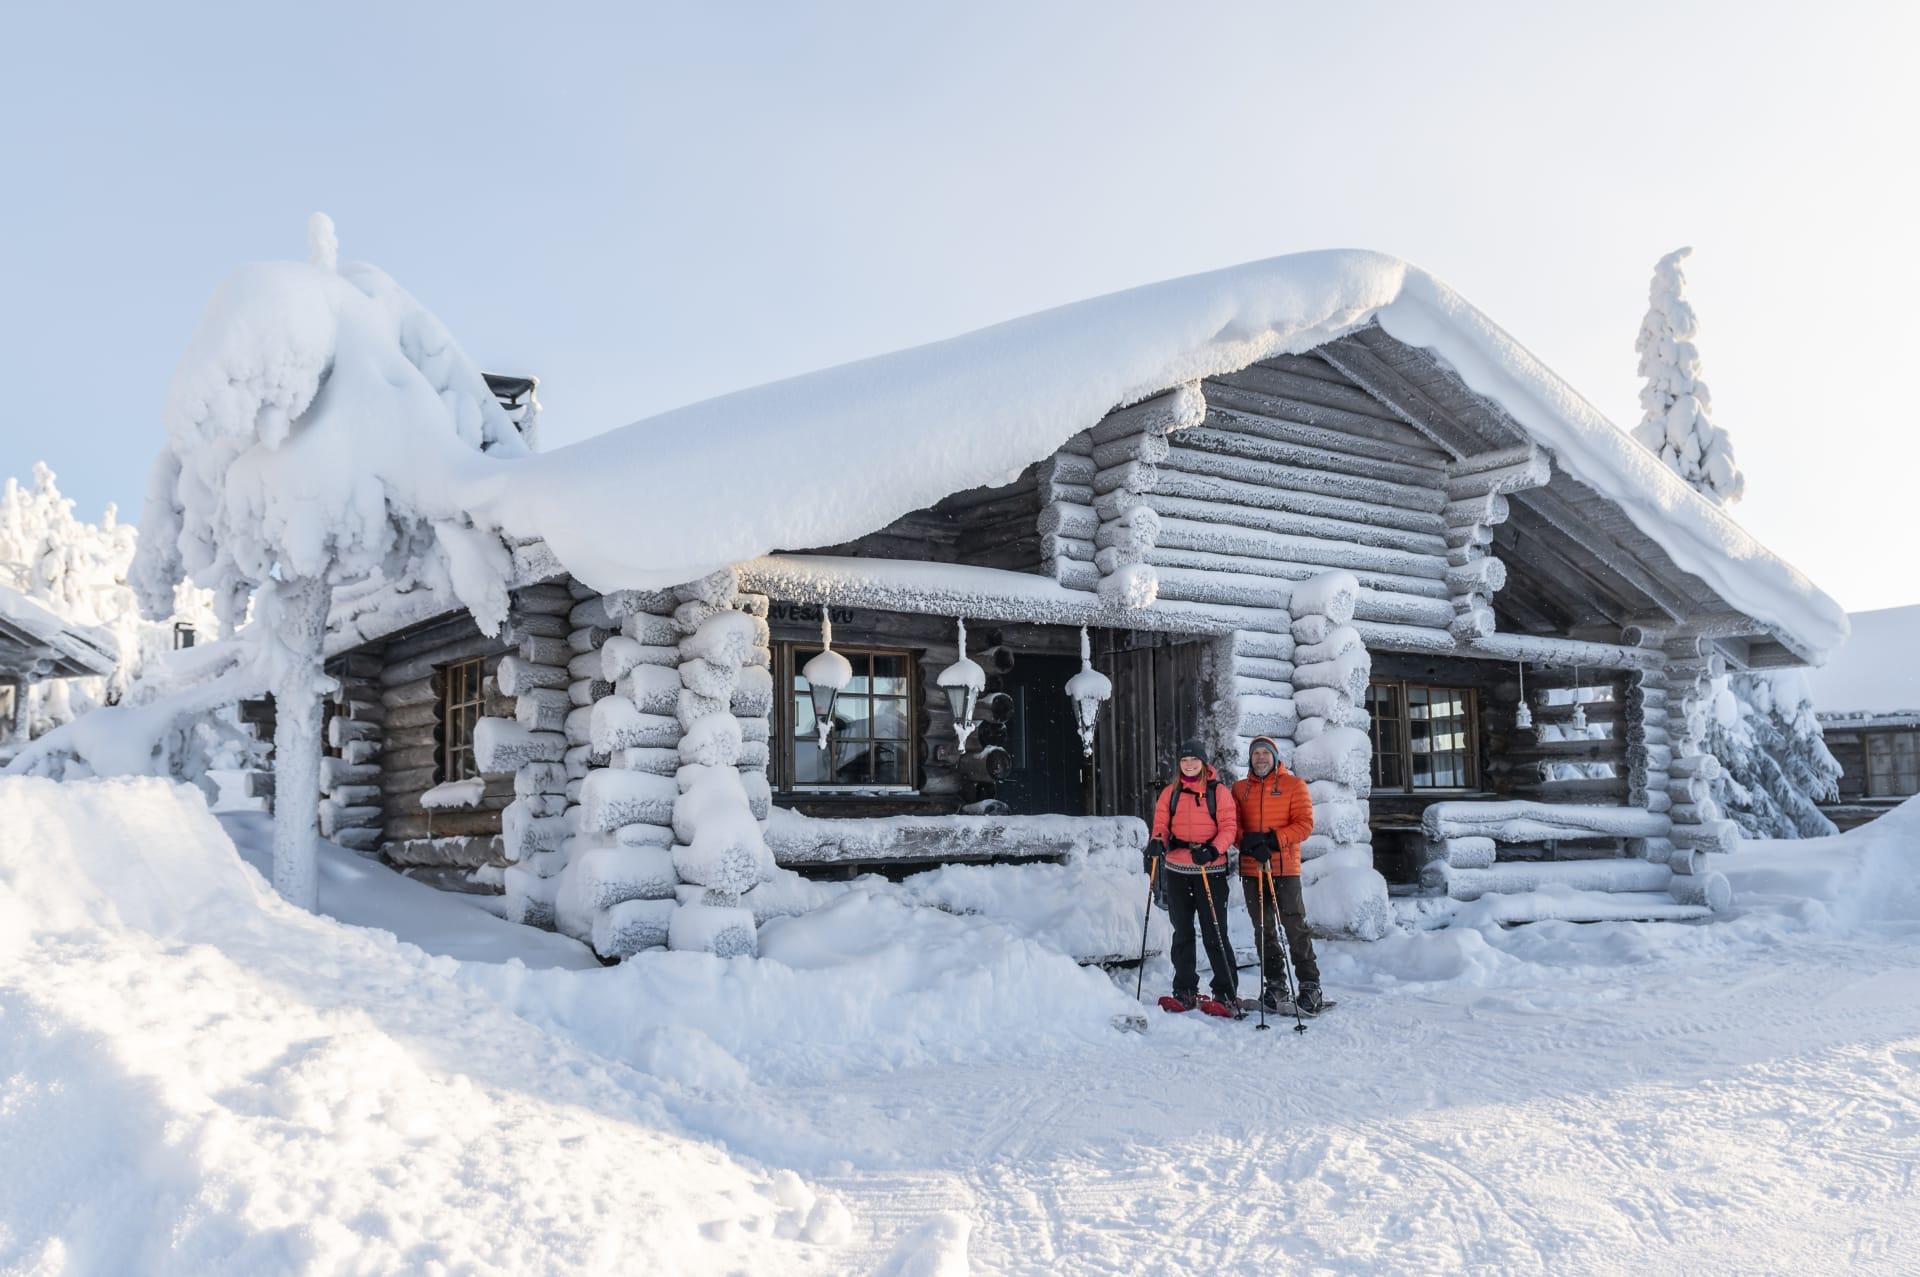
195, 1077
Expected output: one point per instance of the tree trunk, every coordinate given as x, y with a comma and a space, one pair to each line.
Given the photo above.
300, 626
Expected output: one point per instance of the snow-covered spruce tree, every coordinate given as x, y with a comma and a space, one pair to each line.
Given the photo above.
1677, 410
1774, 758
322, 426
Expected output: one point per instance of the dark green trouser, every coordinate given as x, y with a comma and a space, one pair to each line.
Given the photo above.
1293, 917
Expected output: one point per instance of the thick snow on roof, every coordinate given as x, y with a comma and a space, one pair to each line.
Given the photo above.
36, 634
1877, 670
822, 458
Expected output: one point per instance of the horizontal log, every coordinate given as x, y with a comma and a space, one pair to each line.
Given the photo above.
397, 761
459, 823
418, 692
1229, 533
1404, 486
1290, 443
1574, 790
546, 651
1180, 481
1289, 570
403, 788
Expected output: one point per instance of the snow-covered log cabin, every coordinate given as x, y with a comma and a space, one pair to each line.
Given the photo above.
1868, 702
1319, 498
35, 646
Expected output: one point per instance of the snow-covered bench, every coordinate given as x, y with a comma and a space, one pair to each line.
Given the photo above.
1622, 852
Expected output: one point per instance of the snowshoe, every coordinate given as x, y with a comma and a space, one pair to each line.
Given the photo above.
1308, 1001
1178, 1002
1229, 1009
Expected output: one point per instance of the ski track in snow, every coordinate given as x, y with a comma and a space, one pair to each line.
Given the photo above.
1719, 1121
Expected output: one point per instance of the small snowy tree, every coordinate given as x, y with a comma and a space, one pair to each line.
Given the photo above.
1677, 421
1774, 758
322, 427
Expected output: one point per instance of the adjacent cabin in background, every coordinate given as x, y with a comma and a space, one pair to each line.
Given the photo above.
1481, 620
1867, 698
36, 646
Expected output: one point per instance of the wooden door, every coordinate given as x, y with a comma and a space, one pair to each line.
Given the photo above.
1158, 701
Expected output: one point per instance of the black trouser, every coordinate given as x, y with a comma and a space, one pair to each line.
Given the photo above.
1187, 899
1293, 919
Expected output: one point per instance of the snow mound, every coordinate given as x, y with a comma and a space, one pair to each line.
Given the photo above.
863, 983
203, 1079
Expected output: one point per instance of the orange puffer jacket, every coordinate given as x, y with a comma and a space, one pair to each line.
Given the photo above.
1191, 824
1277, 804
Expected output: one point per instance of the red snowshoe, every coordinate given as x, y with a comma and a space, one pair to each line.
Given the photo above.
1178, 1002
1225, 1010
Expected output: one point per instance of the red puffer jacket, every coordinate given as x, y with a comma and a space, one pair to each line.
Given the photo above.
1192, 824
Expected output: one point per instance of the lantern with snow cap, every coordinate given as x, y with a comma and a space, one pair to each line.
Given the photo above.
827, 675
963, 681
1087, 690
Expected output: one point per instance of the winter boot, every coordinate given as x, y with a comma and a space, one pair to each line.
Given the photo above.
1309, 1000
1177, 1002
1274, 1000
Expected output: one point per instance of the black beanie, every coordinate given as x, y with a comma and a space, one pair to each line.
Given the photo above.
1192, 749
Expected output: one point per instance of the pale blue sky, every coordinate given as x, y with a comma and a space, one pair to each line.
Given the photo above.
647, 206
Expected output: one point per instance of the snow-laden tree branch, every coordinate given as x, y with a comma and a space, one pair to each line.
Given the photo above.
322, 426
1677, 420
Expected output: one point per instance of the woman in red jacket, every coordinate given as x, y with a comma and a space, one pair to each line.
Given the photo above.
1276, 815
1195, 822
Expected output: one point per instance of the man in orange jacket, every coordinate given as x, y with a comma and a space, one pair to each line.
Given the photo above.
1195, 822
1276, 815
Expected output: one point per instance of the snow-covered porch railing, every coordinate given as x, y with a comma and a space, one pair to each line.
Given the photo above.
1464, 840
807, 841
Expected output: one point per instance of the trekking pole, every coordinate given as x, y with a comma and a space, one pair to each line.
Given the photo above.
1153, 871
1286, 951
1217, 925
1260, 947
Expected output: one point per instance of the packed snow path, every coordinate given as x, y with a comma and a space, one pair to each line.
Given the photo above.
196, 1078
1743, 1120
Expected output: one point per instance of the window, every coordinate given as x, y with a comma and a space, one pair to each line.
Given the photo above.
872, 743
461, 697
1424, 737
1893, 764
182, 635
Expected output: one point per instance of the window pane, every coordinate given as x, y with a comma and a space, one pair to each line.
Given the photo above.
852, 714
890, 675
809, 763
890, 718
802, 717
890, 764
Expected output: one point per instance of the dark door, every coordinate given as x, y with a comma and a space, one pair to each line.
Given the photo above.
1158, 701
1049, 772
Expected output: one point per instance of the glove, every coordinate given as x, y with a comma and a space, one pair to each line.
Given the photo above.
1258, 847
1156, 850
1205, 854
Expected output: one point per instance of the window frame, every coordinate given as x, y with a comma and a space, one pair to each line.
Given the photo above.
1403, 726
1890, 735
455, 741
781, 761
